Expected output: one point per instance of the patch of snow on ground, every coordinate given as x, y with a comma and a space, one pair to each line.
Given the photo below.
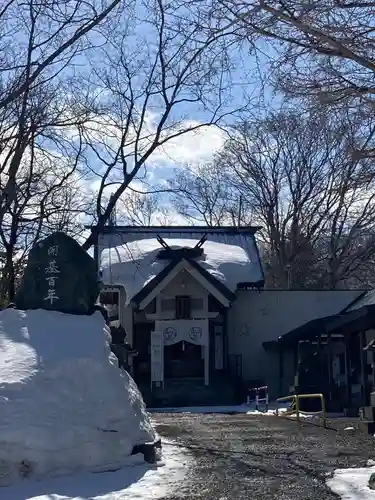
64, 404
248, 409
281, 411
137, 481
134, 264
352, 484
202, 409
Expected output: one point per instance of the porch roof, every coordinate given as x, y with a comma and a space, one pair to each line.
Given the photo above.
308, 331
151, 285
313, 329
354, 321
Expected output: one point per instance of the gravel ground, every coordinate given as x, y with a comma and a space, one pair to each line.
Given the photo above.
261, 457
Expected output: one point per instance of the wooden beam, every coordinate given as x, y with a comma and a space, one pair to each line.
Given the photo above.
162, 242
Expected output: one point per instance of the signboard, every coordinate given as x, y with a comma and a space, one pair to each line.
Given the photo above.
174, 331
157, 357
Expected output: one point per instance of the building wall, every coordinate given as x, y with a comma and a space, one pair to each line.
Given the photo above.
257, 317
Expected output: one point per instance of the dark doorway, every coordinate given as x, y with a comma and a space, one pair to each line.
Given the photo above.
142, 362
183, 360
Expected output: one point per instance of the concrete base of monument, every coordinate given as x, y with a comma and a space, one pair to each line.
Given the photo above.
65, 406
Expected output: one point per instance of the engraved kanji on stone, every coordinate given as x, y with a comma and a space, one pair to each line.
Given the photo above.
53, 251
51, 280
52, 267
51, 295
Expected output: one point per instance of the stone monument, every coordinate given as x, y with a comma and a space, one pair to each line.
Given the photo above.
59, 276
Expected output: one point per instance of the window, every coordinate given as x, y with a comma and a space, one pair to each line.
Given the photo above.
183, 307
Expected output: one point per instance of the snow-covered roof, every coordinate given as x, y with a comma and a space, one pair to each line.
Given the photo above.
134, 264
65, 405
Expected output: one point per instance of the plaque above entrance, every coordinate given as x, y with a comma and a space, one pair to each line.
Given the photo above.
174, 331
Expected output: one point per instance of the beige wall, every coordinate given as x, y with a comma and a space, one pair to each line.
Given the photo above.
257, 317
183, 284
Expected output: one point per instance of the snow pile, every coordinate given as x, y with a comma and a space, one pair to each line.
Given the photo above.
137, 481
352, 484
134, 264
64, 404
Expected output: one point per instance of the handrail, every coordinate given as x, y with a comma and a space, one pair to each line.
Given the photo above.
296, 398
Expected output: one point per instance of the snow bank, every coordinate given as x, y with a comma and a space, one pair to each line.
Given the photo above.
137, 481
352, 484
134, 264
64, 404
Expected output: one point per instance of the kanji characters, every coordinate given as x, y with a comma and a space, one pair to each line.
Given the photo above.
51, 280
53, 251
51, 295
52, 267
51, 270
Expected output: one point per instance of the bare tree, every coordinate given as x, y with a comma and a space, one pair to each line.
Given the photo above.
158, 69
48, 198
321, 49
202, 194
42, 46
314, 201
139, 209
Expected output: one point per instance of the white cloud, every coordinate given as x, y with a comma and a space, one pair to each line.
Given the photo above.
197, 146
193, 147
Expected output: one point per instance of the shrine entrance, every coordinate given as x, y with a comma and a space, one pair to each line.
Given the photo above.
183, 359
180, 349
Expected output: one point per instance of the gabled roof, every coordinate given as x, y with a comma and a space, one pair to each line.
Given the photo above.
147, 289
224, 290
142, 295
133, 264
